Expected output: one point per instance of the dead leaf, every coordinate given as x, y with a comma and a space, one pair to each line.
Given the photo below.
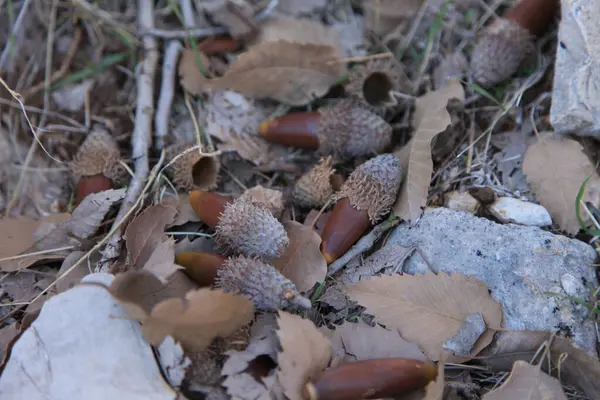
306, 352
384, 15
185, 212
145, 232
202, 244
289, 72
302, 261
388, 260
527, 381
430, 118
236, 16
556, 167
75, 276
510, 160
270, 199
7, 335
190, 76
18, 238
469, 332
296, 8
298, 30
319, 225
162, 260
205, 315
435, 389
428, 309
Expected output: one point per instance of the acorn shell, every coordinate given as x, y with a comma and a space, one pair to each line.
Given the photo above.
347, 130
249, 229
501, 48
98, 155
192, 170
314, 188
373, 186
264, 285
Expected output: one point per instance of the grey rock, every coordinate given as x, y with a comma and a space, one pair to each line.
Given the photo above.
520, 265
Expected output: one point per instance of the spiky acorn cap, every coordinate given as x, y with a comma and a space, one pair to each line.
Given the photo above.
250, 229
270, 199
373, 186
314, 188
347, 129
373, 83
499, 51
192, 170
264, 285
98, 154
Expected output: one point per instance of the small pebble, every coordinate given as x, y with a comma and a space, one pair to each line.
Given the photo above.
458, 201
511, 210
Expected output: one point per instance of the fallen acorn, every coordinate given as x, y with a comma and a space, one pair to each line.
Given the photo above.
241, 225
202, 267
191, 170
315, 188
96, 166
262, 283
364, 199
506, 42
216, 45
371, 379
345, 130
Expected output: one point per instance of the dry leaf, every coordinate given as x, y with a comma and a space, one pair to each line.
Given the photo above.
384, 15
295, 7
527, 381
205, 315
428, 309
289, 72
18, 238
556, 168
162, 260
236, 16
185, 212
75, 276
305, 353
430, 118
435, 389
470, 331
191, 77
202, 244
145, 232
298, 30
302, 261
7, 337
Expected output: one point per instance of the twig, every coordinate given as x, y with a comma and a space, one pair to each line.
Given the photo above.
167, 92
364, 244
183, 34
188, 13
15, 31
108, 19
142, 132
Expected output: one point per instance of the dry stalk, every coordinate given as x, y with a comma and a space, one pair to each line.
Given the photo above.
167, 92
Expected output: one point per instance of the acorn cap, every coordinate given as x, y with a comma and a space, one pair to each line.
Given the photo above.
373, 186
98, 154
349, 130
193, 170
373, 83
264, 285
249, 229
270, 199
499, 51
314, 188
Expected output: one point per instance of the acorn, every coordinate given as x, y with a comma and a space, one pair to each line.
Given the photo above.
264, 285
345, 129
373, 84
192, 170
504, 44
96, 166
208, 206
364, 199
371, 379
202, 267
216, 45
315, 187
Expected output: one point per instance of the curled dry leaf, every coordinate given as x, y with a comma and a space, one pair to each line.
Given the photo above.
204, 315
435, 389
430, 118
162, 260
556, 167
305, 352
302, 261
185, 212
435, 304
290, 72
191, 77
529, 380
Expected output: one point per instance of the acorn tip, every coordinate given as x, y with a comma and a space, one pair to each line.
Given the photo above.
263, 128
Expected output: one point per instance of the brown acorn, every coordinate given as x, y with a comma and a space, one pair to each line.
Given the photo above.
96, 166
202, 267
345, 130
216, 45
264, 285
208, 206
363, 200
371, 379
504, 44
192, 170
315, 188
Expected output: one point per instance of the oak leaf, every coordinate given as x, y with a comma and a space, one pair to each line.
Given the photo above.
429, 309
302, 261
290, 72
191, 76
430, 118
556, 168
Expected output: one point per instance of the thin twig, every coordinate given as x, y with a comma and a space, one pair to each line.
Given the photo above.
364, 244
142, 132
183, 34
14, 33
188, 13
167, 92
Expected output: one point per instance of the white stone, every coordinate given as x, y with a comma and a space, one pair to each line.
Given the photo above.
458, 201
511, 210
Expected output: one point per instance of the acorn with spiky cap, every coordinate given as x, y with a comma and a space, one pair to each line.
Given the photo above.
191, 170
264, 285
364, 199
374, 84
96, 166
314, 188
346, 129
505, 43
